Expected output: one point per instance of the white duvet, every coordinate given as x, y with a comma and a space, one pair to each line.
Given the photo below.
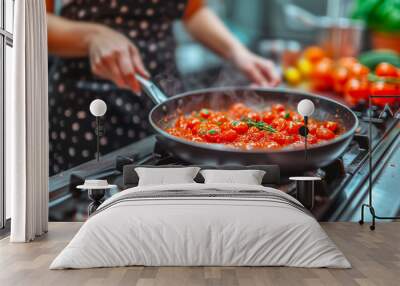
190, 231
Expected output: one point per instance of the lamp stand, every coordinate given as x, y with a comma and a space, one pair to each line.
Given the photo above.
370, 205
303, 131
99, 132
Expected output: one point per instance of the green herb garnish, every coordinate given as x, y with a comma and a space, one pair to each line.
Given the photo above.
235, 123
212, 132
287, 115
260, 125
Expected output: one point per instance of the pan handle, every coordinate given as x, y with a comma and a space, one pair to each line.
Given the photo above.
151, 90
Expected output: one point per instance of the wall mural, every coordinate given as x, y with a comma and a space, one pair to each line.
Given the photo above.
318, 109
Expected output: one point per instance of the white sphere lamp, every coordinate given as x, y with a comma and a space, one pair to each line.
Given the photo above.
306, 108
98, 107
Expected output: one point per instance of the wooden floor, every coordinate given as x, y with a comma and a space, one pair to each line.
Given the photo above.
375, 257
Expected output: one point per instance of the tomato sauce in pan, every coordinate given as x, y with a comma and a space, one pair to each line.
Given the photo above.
242, 127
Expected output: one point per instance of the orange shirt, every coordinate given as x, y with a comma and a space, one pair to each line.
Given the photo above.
192, 7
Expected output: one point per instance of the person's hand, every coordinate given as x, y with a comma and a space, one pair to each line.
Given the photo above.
116, 58
261, 71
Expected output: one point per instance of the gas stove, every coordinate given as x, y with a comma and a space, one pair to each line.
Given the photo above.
338, 196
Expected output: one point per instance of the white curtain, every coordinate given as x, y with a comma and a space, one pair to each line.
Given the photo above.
27, 124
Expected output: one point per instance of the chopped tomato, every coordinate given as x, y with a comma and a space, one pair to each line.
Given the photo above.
279, 124
254, 116
193, 122
268, 117
240, 127
293, 127
386, 70
213, 135
205, 113
229, 135
325, 133
331, 125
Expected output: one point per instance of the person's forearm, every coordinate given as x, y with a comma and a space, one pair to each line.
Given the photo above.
68, 38
208, 29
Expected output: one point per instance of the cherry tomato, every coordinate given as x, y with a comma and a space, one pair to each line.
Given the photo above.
205, 113
240, 127
268, 117
325, 133
193, 122
340, 77
357, 89
213, 135
359, 70
254, 116
386, 70
331, 125
279, 138
229, 135
293, 127
347, 62
321, 76
314, 54
381, 88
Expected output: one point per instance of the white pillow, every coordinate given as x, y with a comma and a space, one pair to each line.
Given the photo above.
248, 177
165, 176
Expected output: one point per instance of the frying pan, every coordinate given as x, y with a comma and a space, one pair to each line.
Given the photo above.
291, 160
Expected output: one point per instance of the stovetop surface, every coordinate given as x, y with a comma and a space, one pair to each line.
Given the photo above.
342, 189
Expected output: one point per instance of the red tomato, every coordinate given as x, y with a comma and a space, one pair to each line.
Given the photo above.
229, 135
213, 135
205, 113
240, 127
254, 116
331, 125
193, 122
256, 135
314, 54
293, 127
340, 77
268, 117
347, 62
325, 133
381, 88
359, 70
279, 138
357, 89
386, 69
312, 128
279, 124
321, 76
278, 107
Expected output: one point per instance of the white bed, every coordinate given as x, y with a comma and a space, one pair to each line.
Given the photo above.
225, 225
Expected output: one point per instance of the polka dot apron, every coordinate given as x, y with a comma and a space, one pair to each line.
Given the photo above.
72, 86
